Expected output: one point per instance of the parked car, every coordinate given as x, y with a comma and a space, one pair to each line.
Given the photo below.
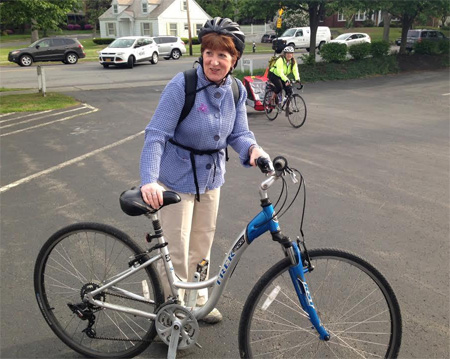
419, 35
128, 51
67, 50
268, 38
170, 46
352, 39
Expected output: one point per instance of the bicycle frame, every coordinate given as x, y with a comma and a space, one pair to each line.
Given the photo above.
265, 221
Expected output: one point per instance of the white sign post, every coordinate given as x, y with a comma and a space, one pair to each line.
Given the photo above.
41, 80
247, 62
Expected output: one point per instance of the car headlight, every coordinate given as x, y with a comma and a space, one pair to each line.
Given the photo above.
120, 53
15, 52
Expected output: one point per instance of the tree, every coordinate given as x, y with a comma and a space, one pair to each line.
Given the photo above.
94, 9
40, 14
316, 11
222, 8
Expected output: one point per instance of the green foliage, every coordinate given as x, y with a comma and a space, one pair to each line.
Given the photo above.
333, 52
194, 40
102, 40
426, 47
359, 51
308, 59
444, 47
379, 48
41, 14
95, 8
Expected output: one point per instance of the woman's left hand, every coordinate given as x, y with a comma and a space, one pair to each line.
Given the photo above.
256, 153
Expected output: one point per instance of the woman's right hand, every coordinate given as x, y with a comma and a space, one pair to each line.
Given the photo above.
152, 193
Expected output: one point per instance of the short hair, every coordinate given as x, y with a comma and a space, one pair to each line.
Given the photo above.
215, 41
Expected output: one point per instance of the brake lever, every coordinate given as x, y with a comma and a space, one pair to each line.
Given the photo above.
292, 175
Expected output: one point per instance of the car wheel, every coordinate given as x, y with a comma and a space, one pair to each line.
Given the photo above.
25, 60
105, 66
307, 49
154, 59
71, 58
321, 44
176, 54
292, 45
130, 62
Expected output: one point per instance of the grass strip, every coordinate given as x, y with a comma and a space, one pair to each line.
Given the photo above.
35, 102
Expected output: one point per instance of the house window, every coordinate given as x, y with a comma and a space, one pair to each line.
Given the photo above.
197, 28
184, 5
144, 7
186, 27
173, 29
341, 17
115, 8
146, 29
110, 29
360, 16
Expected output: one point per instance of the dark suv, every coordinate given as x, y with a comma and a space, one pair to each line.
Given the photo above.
62, 49
268, 38
419, 35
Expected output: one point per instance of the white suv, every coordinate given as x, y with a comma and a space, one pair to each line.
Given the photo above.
128, 51
170, 46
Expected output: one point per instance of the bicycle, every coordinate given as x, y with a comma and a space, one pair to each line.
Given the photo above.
293, 105
100, 294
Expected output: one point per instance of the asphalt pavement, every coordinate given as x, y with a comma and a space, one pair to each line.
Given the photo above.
374, 154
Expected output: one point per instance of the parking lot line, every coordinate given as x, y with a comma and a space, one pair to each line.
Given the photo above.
24, 116
68, 163
92, 109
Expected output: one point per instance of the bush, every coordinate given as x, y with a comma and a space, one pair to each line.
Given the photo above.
359, 51
368, 23
426, 47
88, 27
308, 59
333, 52
102, 40
73, 27
443, 46
69, 26
379, 48
194, 40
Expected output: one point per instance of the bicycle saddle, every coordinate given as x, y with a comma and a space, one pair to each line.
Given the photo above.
132, 203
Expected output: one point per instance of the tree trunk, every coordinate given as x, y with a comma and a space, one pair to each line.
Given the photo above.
34, 31
386, 24
407, 22
315, 11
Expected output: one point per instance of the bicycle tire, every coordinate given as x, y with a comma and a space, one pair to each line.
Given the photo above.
283, 330
270, 109
86, 254
296, 111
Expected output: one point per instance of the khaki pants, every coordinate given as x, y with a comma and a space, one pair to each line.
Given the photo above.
189, 228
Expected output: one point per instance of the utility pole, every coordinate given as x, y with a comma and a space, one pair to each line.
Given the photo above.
189, 27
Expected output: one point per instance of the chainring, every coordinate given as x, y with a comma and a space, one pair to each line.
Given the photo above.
190, 328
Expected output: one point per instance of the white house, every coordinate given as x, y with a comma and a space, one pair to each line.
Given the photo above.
151, 18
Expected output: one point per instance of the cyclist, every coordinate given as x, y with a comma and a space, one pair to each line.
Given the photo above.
281, 69
189, 157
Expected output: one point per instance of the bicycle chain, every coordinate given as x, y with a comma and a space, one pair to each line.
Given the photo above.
123, 339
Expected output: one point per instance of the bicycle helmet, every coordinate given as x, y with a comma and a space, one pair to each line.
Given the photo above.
227, 27
289, 49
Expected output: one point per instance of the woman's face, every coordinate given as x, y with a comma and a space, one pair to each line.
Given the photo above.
216, 64
289, 55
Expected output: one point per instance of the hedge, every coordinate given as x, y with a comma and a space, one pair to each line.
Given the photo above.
102, 40
360, 51
333, 52
194, 40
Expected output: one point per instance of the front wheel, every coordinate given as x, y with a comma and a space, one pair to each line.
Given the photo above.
80, 258
154, 59
25, 60
270, 107
296, 111
130, 62
355, 303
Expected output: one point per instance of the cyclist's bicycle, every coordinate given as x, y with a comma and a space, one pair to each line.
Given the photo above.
100, 294
293, 105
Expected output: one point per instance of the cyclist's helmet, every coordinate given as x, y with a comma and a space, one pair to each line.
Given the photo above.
289, 49
224, 26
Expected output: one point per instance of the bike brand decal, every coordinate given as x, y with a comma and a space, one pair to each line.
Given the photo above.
167, 256
307, 293
226, 265
239, 244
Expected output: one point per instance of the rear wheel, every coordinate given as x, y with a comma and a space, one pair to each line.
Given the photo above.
154, 59
270, 106
71, 58
355, 303
130, 62
176, 54
321, 44
78, 259
296, 111
25, 60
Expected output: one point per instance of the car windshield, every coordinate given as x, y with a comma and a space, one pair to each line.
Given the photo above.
122, 43
289, 32
342, 37
413, 33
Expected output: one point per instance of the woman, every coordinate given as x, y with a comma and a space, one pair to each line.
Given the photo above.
283, 67
213, 123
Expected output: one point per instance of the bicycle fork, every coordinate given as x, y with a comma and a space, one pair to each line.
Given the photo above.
297, 273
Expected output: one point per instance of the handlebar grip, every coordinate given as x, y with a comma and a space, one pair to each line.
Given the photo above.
279, 163
264, 164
